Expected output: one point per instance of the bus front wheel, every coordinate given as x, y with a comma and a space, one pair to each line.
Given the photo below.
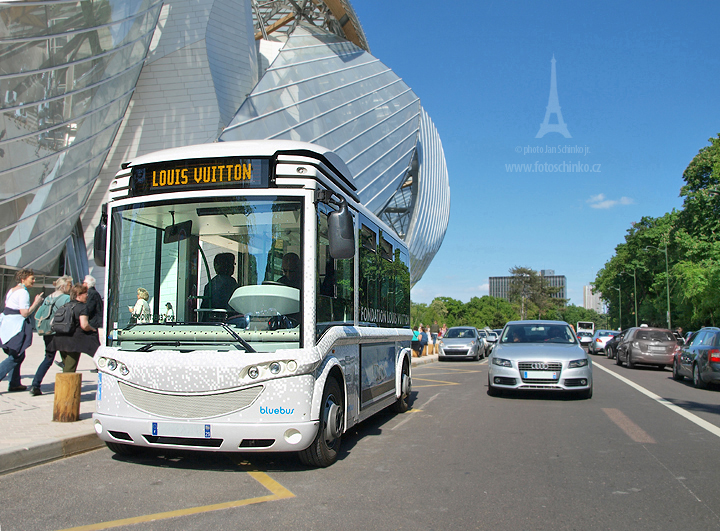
402, 404
323, 451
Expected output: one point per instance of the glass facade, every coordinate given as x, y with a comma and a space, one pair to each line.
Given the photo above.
167, 74
67, 74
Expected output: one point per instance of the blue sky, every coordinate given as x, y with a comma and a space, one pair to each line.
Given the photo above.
637, 84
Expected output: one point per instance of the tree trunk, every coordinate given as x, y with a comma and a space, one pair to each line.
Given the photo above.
67, 397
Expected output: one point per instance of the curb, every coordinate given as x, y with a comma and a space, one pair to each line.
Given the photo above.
424, 360
45, 451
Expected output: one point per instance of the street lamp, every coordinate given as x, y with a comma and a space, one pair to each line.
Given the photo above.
667, 280
634, 275
619, 305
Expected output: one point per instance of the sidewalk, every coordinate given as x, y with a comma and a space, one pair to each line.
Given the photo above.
29, 437
28, 434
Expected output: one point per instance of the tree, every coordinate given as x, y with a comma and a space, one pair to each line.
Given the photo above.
532, 293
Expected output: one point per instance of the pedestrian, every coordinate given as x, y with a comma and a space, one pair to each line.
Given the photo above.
16, 327
423, 341
443, 330
415, 345
84, 338
141, 310
95, 306
58, 298
434, 331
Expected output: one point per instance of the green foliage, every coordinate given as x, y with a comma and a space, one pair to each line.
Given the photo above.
480, 312
689, 238
532, 295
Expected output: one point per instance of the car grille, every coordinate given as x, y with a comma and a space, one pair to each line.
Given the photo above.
455, 352
540, 367
193, 406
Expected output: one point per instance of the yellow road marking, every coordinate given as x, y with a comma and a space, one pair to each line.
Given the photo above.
278, 493
437, 382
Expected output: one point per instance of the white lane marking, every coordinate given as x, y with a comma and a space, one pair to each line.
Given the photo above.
410, 416
660, 400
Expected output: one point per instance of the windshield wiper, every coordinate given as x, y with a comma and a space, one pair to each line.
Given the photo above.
238, 338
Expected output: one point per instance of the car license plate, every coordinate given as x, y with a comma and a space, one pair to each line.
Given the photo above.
540, 375
656, 349
181, 429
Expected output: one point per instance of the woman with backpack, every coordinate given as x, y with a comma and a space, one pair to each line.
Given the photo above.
82, 337
43, 318
16, 327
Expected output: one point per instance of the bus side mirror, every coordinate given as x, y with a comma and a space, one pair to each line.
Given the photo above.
341, 232
100, 240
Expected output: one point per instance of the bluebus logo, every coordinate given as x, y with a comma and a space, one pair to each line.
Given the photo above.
275, 411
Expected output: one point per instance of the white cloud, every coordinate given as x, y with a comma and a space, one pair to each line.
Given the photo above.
599, 201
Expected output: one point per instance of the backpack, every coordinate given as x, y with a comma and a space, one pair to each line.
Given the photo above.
63, 322
44, 314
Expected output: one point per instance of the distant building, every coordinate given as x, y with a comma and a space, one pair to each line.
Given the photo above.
499, 286
592, 301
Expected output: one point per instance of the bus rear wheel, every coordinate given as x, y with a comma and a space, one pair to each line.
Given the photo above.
324, 449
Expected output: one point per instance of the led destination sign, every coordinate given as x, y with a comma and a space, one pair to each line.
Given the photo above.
199, 174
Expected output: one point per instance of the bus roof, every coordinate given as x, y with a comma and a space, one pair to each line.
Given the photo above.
244, 148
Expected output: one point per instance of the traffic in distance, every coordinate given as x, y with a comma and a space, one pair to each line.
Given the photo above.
695, 356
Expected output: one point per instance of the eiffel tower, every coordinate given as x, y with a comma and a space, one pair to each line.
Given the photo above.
553, 107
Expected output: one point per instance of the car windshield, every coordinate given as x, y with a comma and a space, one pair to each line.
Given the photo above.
206, 272
460, 333
655, 335
538, 333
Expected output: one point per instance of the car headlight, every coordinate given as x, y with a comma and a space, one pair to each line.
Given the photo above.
501, 362
574, 364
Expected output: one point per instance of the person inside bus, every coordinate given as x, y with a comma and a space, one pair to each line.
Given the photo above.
218, 291
290, 270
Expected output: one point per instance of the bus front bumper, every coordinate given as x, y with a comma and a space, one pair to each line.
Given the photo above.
206, 436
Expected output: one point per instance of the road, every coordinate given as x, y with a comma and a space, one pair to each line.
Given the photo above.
458, 460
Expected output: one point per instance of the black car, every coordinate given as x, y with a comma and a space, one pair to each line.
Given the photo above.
699, 358
611, 345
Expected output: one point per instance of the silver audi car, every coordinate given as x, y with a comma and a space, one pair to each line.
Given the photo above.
539, 355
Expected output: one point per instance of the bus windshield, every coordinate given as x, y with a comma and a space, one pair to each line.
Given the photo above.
220, 273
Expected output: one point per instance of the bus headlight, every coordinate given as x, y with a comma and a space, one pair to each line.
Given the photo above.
111, 364
275, 367
253, 372
292, 366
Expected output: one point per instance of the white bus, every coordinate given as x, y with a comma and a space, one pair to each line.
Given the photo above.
252, 304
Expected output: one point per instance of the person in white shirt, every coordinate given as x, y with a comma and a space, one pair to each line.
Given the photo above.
16, 327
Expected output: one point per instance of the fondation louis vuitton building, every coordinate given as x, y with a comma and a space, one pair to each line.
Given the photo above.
85, 85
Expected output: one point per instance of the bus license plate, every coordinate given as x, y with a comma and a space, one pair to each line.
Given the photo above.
540, 375
181, 429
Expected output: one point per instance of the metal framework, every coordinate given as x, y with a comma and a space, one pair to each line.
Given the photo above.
281, 17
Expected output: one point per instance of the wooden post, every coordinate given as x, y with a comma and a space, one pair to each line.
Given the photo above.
66, 407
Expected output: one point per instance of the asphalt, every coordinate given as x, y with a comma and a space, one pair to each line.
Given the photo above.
29, 435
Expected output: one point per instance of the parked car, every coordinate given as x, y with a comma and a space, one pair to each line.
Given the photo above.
491, 340
485, 345
585, 339
460, 342
612, 343
599, 339
539, 355
699, 358
648, 346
